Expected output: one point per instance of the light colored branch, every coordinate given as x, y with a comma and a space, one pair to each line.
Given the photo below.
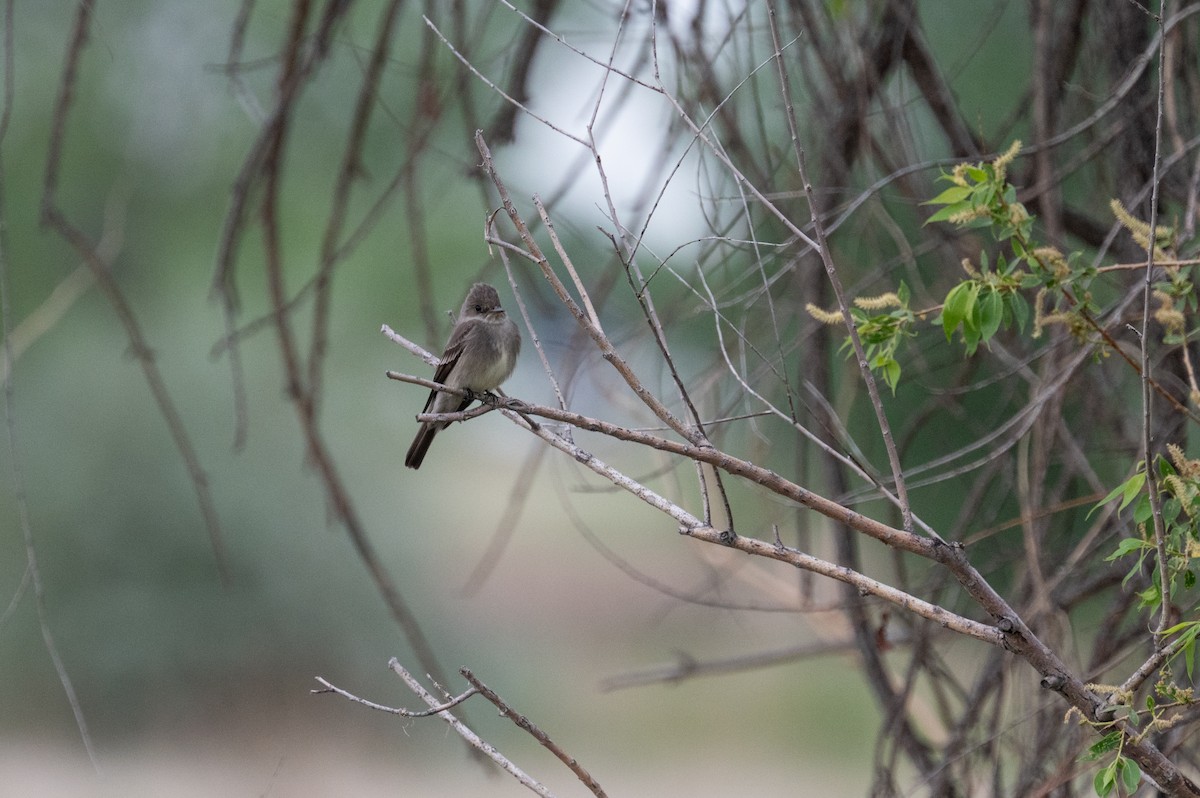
420, 351
537, 734
463, 731
865, 585
407, 713
736, 466
1153, 663
694, 527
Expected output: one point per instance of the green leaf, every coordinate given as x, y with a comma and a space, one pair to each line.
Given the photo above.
1020, 310
1127, 490
1187, 641
1131, 775
1127, 546
959, 305
1180, 626
1133, 487
1019, 249
971, 336
1106, 779
950, 195
891, 374
1171, 508
948, 211
1143, 510
1108, 742
1136, 570
991, 313
887, 367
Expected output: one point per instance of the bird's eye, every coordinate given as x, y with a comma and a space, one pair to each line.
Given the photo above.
479, 308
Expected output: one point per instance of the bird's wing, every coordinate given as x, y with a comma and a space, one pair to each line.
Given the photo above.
454, 350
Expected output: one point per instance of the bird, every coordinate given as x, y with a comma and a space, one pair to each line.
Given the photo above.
480, 355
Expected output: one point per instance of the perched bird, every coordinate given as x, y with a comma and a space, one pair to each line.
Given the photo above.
481, 354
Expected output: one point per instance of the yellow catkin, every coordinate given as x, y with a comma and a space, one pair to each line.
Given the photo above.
1128, 220
1037, 313
1000, 165
1180, 490
1049, 255
959, 176
968, 215
1139, 230
1178, 459
1119, 696
1171, 319
888, 300
1161, 724
1190, 469
823, 316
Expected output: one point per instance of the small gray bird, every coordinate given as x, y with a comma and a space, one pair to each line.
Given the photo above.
481, 354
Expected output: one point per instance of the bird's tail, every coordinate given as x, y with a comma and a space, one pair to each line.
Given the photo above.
420, 445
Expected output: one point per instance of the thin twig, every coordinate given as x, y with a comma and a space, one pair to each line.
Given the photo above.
538, 734
469, 736
407, 713
1149, 450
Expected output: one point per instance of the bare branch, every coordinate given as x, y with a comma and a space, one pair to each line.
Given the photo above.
469, 736
538, 734
407, 713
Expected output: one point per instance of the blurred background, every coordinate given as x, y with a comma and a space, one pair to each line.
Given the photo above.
194, 687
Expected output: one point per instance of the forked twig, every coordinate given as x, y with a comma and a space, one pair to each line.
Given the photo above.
442, 707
